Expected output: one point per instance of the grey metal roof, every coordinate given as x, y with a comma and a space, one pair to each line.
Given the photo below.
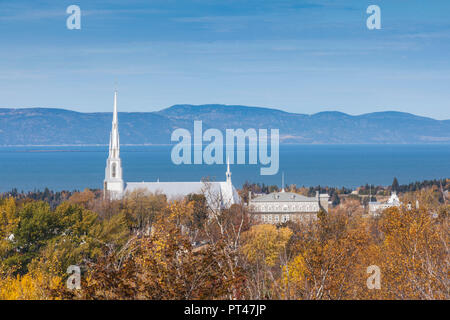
176, 190
283, 197
171, 189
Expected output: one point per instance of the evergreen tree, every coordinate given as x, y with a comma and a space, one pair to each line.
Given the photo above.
395, 185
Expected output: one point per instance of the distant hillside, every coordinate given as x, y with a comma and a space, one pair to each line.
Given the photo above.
43, 126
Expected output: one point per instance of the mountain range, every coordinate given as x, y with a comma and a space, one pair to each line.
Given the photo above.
46, 126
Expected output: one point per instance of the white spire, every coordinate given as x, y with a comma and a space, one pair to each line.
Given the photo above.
115, 108
114, 144
228, 173
113, 183
282, 181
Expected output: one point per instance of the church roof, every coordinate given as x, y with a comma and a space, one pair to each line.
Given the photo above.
283, 197
172, 190
213, 191
394, 199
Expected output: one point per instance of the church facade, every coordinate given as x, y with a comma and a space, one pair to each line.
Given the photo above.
218, 194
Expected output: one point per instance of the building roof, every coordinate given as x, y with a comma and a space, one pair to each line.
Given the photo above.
222, 192
394, 199
283, 197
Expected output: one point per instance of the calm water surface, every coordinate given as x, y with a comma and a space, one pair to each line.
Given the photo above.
69, 168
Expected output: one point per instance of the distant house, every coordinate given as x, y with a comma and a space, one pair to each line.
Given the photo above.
375, 208
278, 207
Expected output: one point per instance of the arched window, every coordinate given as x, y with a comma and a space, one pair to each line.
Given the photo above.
113, 171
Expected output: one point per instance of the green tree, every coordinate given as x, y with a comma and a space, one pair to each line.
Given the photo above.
37, 224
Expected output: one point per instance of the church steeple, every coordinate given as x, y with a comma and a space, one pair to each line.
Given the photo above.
114, 144
228, 173
115, 108
113, 184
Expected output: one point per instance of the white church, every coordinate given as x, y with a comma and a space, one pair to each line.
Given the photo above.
218, 194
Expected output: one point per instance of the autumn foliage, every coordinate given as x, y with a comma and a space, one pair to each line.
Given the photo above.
145, 247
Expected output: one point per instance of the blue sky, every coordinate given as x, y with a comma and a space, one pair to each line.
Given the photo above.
298, 56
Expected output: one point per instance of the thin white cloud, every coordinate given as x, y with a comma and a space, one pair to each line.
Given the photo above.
24, 14
27, 15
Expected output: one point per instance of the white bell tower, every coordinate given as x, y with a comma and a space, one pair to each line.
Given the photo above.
113, 184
